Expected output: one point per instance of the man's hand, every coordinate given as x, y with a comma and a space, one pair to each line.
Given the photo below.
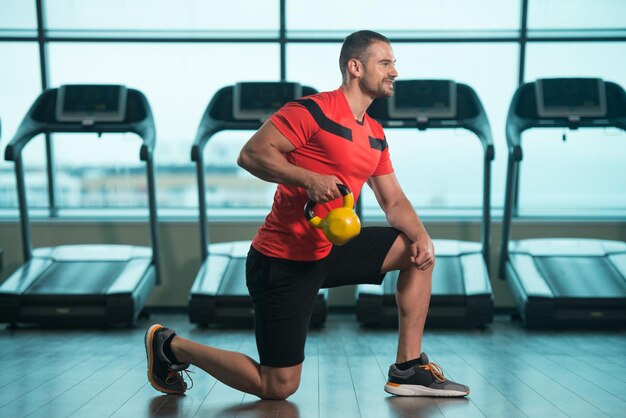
322, 189
423, 253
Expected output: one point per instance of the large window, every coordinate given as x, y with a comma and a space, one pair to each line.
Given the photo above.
180, 53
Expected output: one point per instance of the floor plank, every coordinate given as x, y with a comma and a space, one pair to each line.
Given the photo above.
336, 390
525, 398
593, 394
116, 394
305, 402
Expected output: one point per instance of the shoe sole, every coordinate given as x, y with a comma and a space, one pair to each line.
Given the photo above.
150, 358
417, 390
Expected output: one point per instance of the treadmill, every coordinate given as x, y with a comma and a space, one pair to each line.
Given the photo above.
562, 282
461, 290
86, 285
219, 295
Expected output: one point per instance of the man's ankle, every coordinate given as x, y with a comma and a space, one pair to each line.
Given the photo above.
178, 353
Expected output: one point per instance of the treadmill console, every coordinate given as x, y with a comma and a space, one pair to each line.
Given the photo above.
91, 103
570, 97
259, 100
417, 99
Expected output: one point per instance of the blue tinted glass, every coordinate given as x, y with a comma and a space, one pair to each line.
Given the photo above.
227, 185
20, 85
403, 18
585, 59
17, 15
576, 14
582, 175
187, 17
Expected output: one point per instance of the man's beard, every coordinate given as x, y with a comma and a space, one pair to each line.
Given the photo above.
374, 89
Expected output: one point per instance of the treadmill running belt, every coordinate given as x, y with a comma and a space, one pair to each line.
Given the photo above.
447, 278
577, 277
234, 281
77, 278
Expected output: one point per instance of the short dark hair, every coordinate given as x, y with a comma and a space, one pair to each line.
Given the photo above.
355, 46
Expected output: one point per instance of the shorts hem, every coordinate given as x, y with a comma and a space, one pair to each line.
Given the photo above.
282, 364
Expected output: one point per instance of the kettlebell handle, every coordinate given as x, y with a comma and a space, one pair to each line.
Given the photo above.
348, 202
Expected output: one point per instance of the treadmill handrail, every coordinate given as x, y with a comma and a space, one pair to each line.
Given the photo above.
138, 120
478, 124
209, 126
30, 127
516, 124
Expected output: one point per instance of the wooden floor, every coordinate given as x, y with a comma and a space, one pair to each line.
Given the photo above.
512, 372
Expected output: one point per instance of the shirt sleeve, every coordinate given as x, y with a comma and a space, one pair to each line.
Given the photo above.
295, 122
384, 164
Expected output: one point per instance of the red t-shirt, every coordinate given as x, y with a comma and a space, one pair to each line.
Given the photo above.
328, 140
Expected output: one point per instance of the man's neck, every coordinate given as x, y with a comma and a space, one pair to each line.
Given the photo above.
357, 100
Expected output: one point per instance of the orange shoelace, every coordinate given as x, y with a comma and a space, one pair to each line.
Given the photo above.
435, 370
173, 375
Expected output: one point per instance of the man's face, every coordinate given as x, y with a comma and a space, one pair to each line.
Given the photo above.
379, 71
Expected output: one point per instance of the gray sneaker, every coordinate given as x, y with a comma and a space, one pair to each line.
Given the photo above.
163, 374
424, 379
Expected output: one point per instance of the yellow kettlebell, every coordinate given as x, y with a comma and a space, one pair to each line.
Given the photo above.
340, 224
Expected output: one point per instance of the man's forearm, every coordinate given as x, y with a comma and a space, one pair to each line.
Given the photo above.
270, 164
403, 217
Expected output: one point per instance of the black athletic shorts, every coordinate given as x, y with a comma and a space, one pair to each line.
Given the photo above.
283, 291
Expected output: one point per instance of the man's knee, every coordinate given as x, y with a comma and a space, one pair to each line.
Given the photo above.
281, 390
399, 255
280, 383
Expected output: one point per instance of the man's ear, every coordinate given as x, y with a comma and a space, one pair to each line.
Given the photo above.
355, 67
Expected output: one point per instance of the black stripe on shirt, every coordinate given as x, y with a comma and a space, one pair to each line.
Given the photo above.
324, 122
377, 143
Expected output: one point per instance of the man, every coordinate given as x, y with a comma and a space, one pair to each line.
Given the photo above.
308, 147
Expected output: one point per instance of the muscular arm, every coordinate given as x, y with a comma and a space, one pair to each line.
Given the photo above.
264, 157
401, 215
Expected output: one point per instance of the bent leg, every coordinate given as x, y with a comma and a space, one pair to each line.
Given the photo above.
239, 371
412, 297
283, 293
